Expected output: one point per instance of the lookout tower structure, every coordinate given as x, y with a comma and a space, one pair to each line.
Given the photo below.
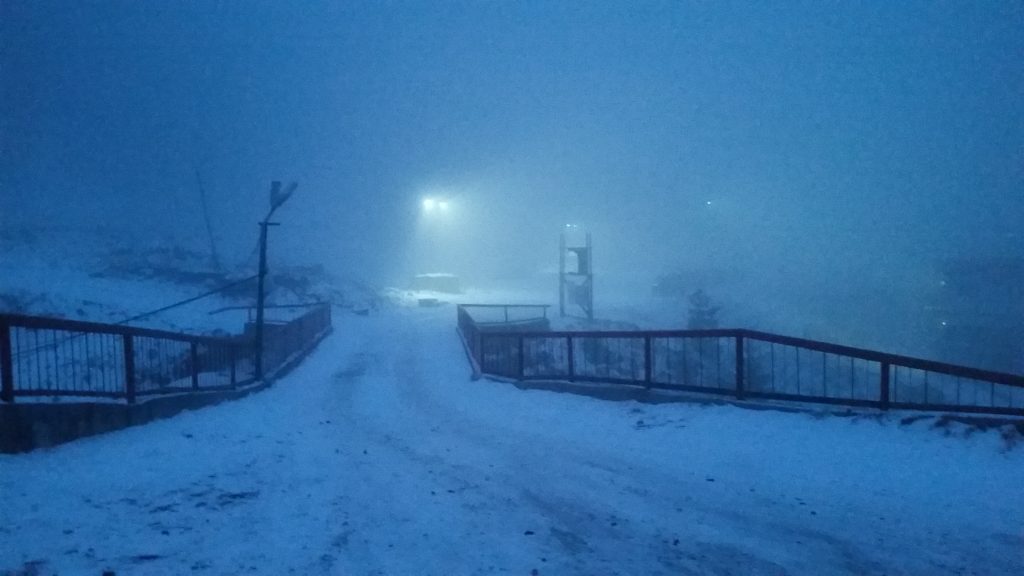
575, 272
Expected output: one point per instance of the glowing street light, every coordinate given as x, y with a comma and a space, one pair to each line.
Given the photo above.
435, 205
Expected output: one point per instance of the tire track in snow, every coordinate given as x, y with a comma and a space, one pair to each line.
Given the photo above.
583, 534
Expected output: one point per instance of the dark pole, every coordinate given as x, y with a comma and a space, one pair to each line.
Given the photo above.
260, 296
278, 196
561, 275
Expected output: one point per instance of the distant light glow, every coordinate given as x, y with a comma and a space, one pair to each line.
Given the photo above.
435, 205
708, 203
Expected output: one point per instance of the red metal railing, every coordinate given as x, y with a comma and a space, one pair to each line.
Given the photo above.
67, 358
743, 364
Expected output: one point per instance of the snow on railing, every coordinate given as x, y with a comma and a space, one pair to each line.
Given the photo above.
742, 364
51, 357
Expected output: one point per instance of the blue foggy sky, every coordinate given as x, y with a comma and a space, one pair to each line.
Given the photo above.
831, 138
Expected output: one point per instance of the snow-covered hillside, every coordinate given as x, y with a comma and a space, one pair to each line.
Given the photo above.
379, 455
101, 275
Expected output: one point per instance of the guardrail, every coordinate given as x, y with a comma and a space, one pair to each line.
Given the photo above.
51, 357
743, 364
505, 317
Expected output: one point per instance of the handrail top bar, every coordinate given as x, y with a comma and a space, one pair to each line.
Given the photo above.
307, 305
524, 321
50, 323
816, 345
638, 334
504, 305
894, 359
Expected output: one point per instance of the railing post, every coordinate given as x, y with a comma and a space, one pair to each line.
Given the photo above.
6, 365
232, 355
572, 360
883, 387
129, 368
522, 359
740, 363
648, 368
194, 362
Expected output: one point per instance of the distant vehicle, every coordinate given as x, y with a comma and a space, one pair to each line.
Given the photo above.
671, 285
437, 282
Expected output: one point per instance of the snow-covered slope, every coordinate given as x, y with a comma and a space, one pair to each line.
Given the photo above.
105, 276
379, 455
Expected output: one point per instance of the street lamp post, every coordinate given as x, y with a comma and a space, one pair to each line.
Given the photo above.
277, 198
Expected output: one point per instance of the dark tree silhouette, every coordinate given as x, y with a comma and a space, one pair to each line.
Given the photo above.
703, 314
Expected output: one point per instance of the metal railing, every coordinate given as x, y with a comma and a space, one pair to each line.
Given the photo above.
742, 364
51, 357
504, 317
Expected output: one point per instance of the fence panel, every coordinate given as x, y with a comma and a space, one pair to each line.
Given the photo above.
545, 357
53, 357
694, 362
54, 362
499, 354
611, 359
783, 371
281, 342
937, 391
767, 366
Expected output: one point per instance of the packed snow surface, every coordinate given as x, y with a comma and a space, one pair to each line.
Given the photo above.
379, 455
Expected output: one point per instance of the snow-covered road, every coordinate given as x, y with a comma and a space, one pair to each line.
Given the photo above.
378, 455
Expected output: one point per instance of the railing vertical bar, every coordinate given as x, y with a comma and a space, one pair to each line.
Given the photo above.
883, 386
700, 361
648, 359
234, 365
74, 363
853, 381
824, 374
797, 370
570, 347
718, 362
16, 337
129, 369
740, 364
686, 366
194, 363
522, 356
6, 365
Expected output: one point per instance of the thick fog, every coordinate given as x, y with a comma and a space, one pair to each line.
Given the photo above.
812, 160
